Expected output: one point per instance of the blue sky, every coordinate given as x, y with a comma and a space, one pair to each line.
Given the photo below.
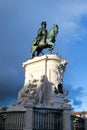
19, 22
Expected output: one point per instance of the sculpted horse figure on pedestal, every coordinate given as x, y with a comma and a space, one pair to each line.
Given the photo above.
49, 42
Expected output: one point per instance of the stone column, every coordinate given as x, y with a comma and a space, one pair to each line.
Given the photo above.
85, 123
28, 117
66, 120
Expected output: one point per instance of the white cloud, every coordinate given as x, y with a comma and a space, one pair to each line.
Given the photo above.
69, 15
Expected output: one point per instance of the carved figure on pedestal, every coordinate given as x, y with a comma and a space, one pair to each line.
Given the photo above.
25, 94
40, 89
44, 40
33, 91
59, 70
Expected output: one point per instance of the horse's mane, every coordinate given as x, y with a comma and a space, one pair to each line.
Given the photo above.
53, 27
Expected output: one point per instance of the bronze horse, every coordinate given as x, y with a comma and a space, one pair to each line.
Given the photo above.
50, 40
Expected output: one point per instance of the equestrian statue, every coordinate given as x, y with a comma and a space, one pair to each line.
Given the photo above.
44, 40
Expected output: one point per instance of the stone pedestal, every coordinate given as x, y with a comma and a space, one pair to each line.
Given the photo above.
53, 68
43, 87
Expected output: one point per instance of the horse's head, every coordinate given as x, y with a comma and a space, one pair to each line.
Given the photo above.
53, 32
55, 28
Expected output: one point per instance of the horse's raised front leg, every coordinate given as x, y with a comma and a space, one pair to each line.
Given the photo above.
52, 47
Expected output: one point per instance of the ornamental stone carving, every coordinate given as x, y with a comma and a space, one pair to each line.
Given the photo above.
33, 91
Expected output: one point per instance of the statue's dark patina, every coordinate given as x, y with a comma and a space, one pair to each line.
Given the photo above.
44, 40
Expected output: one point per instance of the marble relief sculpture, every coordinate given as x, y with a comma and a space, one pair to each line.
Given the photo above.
33, 91
59, 72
